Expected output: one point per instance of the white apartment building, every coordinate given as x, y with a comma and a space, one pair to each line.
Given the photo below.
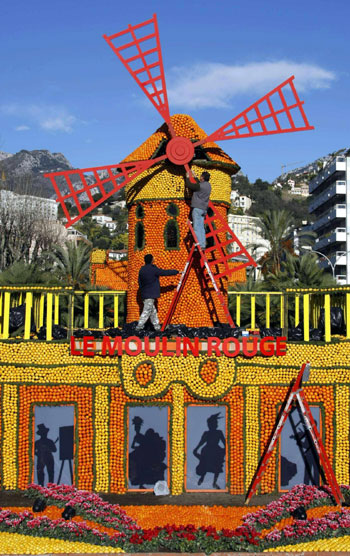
330, 206
103, 220
301, 190
247, 230
46, 209
240, 201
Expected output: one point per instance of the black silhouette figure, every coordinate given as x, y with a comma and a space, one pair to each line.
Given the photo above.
66, 435
307, 450
211, 457
288, 471
44, 447
146, 460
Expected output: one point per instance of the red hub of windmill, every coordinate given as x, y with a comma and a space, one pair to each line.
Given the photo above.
180, 150
276, 112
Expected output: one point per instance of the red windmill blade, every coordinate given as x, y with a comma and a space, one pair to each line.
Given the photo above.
84, 183
138, 48
269, 115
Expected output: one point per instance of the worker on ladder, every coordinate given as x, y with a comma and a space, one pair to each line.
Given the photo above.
199, 203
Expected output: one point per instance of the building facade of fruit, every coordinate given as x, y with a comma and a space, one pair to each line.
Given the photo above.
177, 398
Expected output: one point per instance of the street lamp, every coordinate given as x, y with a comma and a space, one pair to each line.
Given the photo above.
325, 257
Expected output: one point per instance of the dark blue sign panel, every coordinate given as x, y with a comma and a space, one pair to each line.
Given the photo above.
299, 459
147, 446
206, 448
53, 444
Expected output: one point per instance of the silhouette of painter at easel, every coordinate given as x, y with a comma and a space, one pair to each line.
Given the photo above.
212, 456
44, 447
66, 449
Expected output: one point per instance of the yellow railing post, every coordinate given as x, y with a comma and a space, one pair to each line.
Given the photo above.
28, 315
86, 310
116, 310
268, 310
49, 306
348, 315
297, 310
6, 326
306, 309
252, 312
281, 311
57, 308
238, 310
41, 310
100, 310
1, 301
327, 317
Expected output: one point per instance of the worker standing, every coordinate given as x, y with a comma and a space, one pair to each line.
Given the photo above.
199, 204
150, 291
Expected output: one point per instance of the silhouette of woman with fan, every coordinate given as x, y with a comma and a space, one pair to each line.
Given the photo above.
211, 457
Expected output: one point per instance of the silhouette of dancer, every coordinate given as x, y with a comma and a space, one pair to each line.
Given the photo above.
211, 457
44, 447
146, 459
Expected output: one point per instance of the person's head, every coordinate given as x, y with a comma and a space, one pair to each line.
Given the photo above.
137, 422
205, 176
212, 421
148, 258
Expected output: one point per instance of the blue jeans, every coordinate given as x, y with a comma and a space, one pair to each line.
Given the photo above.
198, 216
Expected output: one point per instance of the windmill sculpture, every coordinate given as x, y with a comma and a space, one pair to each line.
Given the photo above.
162, 159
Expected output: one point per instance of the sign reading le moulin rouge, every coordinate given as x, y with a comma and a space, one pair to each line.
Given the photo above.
213, 346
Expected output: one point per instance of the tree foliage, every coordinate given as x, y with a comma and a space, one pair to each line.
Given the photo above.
24, 235
72, 264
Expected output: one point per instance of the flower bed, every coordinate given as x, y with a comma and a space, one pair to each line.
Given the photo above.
251, 536
86, 504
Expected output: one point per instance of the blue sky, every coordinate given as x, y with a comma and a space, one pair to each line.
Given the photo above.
63, 89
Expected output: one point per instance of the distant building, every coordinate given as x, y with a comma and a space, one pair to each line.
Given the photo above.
240, 201
330, 190
46, 209
248, 232
71, 234
117, 254
302, 190
103, 220
121, 204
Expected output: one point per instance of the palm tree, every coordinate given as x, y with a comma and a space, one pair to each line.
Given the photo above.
21, 273
276, 228
72, 264
299, 272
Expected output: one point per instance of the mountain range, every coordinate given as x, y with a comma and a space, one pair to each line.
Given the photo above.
24, 171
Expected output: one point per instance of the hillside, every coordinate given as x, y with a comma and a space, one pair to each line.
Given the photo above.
23, 171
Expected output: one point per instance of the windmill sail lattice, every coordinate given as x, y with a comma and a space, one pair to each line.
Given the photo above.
138, 48
226, 251
83, 185
279, 111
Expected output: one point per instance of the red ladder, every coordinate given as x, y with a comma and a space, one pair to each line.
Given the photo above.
217, 225
185, 275
297, 395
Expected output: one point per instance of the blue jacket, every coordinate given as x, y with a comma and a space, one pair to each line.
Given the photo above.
149, 280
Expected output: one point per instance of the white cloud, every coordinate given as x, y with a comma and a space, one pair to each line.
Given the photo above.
214, 85
22, 128
47, 117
